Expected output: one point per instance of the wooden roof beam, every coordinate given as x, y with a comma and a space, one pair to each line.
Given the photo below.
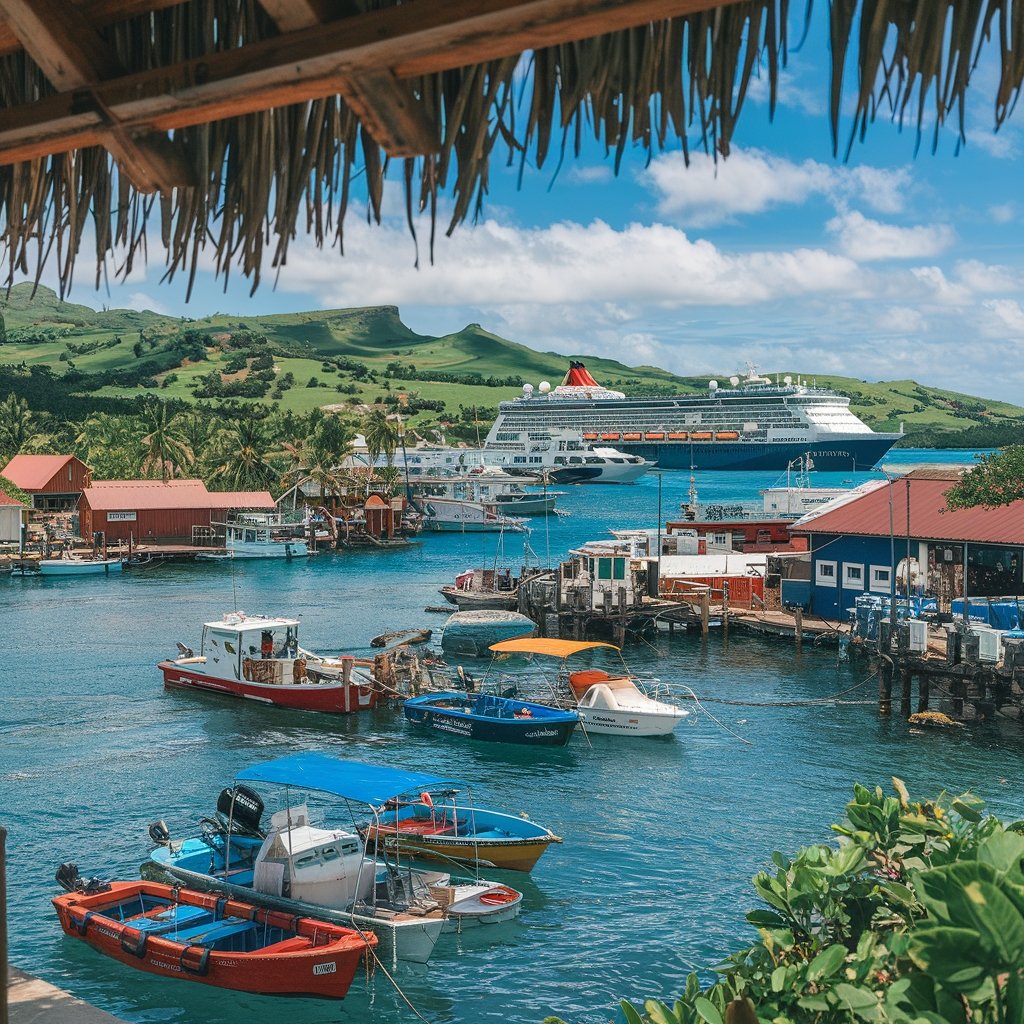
74, 58
411, 39
389, 110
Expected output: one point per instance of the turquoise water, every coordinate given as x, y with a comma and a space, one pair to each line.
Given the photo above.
661, 837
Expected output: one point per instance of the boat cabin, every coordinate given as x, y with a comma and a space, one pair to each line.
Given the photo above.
604, 574
315, 865
259, 649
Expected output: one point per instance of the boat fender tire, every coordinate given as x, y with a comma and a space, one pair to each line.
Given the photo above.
82, 924
135, 946
202, 965
218, 909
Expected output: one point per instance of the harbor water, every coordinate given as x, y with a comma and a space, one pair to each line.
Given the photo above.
661, 837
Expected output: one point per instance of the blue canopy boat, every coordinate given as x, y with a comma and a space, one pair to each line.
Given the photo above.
494, 719
326, 873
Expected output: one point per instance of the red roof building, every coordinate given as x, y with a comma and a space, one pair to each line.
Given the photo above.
172, 511
54, 481
897, 532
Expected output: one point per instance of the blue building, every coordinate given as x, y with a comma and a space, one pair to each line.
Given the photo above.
896, 533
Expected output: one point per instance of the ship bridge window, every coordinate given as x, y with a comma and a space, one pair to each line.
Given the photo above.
575, 460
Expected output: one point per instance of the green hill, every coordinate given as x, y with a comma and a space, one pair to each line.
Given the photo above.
359, 357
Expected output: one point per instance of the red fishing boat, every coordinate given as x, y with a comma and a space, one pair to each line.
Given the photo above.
260, 659
181, 933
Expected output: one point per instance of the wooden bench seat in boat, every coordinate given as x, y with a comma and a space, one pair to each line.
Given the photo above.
157, 924
207, 934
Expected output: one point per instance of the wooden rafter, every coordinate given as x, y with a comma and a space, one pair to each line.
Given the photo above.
75, 59
409, 40
388, 109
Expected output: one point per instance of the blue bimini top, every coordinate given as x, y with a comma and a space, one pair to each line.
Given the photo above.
370, 784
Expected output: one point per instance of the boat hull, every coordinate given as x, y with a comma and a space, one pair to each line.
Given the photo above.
626, 723
440, 712
852, 454
324, 697
399, 937
472, 634
300, 965
506, 855
71, 567
468, 600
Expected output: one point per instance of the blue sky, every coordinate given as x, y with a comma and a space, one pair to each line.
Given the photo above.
886, 266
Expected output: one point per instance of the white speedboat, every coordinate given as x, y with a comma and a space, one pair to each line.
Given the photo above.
454, 515
617, 706
612, 704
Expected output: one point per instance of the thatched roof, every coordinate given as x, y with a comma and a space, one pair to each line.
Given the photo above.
233, 125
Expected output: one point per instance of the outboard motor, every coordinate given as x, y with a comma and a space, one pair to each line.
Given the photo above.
69, 879
159, 833
243, 807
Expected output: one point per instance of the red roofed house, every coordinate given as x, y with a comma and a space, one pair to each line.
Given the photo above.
11, 513
175, 511
54, 481
858, 544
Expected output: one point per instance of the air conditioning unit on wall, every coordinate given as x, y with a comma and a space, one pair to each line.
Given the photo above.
989, 643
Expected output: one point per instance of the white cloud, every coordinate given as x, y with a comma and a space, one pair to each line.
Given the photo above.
939, 289
596, 174
1008, 315
982, 277
867, 240
566, 263
1001, 145
752, 181
142, 301
1003, 213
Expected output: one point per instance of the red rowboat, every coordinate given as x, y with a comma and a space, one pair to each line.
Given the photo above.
260, 659
181, 933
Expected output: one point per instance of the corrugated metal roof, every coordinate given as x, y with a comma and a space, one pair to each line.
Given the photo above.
869, 515
138, 495
32, 472
242, 499
7, 500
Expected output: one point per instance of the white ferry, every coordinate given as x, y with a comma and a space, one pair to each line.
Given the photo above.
753, 424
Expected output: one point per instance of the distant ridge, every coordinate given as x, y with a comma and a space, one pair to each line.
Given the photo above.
361, 356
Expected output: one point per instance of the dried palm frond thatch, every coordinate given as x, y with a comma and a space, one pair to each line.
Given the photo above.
265, 177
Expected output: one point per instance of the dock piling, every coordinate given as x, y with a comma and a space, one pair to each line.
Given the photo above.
923, 684
798, 623
885, 690
905, 684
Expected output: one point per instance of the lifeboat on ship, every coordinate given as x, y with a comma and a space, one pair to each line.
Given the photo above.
701, 435
632, 437
654, 435
726, 435
678, 435
610, 437
590, 436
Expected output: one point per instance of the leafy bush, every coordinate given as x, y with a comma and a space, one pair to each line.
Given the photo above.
916, 917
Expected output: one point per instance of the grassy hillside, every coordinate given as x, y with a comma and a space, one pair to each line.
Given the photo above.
358, 357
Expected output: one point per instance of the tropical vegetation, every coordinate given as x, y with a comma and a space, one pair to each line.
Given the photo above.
915, 916
998, 479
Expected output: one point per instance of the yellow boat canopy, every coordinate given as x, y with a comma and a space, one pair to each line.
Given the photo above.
541, 645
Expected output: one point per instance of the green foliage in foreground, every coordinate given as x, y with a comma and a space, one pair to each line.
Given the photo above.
917, 917
996, 480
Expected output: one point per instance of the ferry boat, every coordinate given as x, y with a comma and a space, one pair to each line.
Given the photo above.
564, 456
752, 424
261, 535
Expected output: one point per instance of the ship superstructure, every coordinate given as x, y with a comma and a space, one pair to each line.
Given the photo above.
753, 423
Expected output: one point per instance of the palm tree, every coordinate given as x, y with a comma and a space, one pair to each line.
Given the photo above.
241, 457
381, 436
196, 429
167, 451
111, 445
17, 426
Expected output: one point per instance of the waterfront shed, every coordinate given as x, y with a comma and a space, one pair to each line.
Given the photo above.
11, 513
172, 511
54, 481
898, 533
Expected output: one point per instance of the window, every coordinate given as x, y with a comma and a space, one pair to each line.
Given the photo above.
825, 574
881, 579
853, 576
719, 539
604, 568
619, 571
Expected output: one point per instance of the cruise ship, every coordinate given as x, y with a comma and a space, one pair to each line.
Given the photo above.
753, 423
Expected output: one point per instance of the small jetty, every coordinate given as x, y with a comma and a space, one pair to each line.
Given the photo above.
31, 1000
